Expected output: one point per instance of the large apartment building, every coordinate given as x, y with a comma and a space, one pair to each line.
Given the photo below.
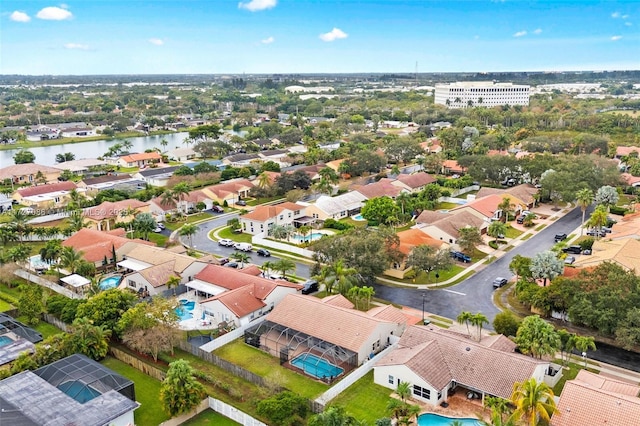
467, 94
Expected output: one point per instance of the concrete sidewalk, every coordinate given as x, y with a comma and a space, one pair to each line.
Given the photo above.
609, 370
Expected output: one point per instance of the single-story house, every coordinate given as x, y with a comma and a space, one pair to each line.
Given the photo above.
78, 132
329, 328
72, 391
623, 151
339, 207
98, 247
29, 173
446, 226
230, 191
100, 183
142, 159
183, 154
158, 176
592, 399
263, 218
104, 217
160, 207
450, 167
80, 166
409, 239
630, 179
624, 252
524, 192
383, 188
48, 195
278, 156
438, 363
486, 208
240, 160
415, 182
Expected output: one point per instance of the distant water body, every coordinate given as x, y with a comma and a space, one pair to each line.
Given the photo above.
46, 155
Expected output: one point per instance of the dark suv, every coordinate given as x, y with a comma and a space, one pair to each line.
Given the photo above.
458, 255
560, 237
572, 249
309, 287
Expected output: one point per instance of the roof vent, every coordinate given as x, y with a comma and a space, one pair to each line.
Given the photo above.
468, 349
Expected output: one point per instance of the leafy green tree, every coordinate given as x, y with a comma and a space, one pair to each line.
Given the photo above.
284, 266
520, 266
534, 402
106, 308
537, 337
180, 392
24, 156
546, 265
380, 210
333, 416
496, 230
144, 223
30, 303
469, 238
337, 276
584, 198
428, 259
285, 408
506, 323
403, 150
90, 340
607, 196
628, 331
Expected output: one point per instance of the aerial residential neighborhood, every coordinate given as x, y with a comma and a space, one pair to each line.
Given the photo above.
319, 213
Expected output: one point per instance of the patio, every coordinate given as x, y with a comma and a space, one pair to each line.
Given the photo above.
198, 322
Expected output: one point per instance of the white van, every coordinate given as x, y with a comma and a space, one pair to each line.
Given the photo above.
243, 246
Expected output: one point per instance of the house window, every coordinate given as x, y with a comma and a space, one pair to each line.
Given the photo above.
56, 199
297, 212
281, 216
421, 392
439, 396
391, 379
289, 215
132, 283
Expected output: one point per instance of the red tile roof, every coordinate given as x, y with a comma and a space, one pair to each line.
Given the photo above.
95, 245
621, 151
229, 278
263, 213
110, 209
382, 188
131, 158
47, 189
223, 189
241, 301
416, 180
415, 237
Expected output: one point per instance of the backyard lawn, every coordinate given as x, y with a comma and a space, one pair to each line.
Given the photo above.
5, 306
158, 239
365, 400
269, 367
147, 393
210, 417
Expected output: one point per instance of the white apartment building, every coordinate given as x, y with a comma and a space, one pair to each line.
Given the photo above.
467, 94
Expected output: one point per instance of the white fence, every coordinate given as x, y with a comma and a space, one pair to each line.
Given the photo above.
219, 342
354, 376
233, 413
260, 241
46, 283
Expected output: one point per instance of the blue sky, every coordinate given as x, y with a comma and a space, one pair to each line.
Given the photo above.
287, 36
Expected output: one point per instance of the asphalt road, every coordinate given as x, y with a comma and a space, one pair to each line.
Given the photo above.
475, 294
202, 242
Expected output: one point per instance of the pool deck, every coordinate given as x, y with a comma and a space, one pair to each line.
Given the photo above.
459, 407
196, 323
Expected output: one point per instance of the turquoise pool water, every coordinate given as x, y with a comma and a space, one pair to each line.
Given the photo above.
4, 341
185, 308
36, 262
309, 237
78, 391
358, 217
431, 419
316, 366
111, 282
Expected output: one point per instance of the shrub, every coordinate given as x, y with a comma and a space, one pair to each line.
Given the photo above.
586, 244
618, 210
335, 224
506, 323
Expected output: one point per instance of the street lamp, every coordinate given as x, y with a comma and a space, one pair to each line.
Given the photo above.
423, 294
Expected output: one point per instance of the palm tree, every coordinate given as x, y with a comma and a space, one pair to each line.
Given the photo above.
479, 320
264, 181
164, 143
242, 258
51, 251
173, 282
266, 268
189, 230
284, 266
144, 223
40, 232
70, 258
126, 144
585, 199
167, 198
304, 230
324, 186
338, 276
583, 344
90, 340
19, 219
180, 191
76, 221
280, 232
496, 230
465, 318
533, 401
507, 208
598, 219
403, 390
7, 234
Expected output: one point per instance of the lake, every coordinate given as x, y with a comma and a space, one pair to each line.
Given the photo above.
46, 155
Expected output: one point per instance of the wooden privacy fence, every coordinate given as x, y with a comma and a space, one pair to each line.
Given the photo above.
147, 369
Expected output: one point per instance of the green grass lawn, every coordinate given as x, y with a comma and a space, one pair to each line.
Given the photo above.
158, 239
188, 219
5, 306
227, 233
267, 366
210, 417
512, 232
446, 206
365, 400
356, 223
147, 393
568, 374
422, 278
257, 201
43, 328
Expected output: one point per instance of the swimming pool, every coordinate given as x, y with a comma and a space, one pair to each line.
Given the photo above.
78, 391
110, 282
309, 237
5, 340
430, 419
358, 217
316, 366
185, 308
37, 263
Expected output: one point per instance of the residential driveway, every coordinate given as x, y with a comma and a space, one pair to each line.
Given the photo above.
202, 242
475, 293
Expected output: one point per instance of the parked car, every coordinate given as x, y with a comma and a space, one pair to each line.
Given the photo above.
499, 282
217, 209
572, 249
596, 233
607, 230
569, 260
520, 219
226, 242
560, 237
241, 203
587, 252
231, 264
458, 255
243, 246
223, 261
161, 225
263, 252
157, 230
309, 286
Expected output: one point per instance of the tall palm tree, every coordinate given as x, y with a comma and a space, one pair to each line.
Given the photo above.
266, 268
598, 219
188, 230
465, 318
338, 276
173, 282
8, 234
70, 258
76, 221
284, 266
496, 229
241, 257
167, 198
40, 232
19, 219
144, 223
585, 199
479, 320
180, 191
533, 401
583, 344
164, 143
507, 208
264, 181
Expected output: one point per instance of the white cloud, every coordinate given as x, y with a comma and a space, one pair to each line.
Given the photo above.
520, 34
156, 41
625, 16
628, 24
616, 38
19, 16
76, 46
256, 5
537, 31
334, 34
53, 13
268, 40
615, 15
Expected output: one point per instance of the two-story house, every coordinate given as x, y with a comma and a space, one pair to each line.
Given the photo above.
263, 218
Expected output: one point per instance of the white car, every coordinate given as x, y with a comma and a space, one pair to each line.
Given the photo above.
226, 242
158, 230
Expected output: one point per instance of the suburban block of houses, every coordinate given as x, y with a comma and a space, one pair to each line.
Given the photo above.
104, 217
